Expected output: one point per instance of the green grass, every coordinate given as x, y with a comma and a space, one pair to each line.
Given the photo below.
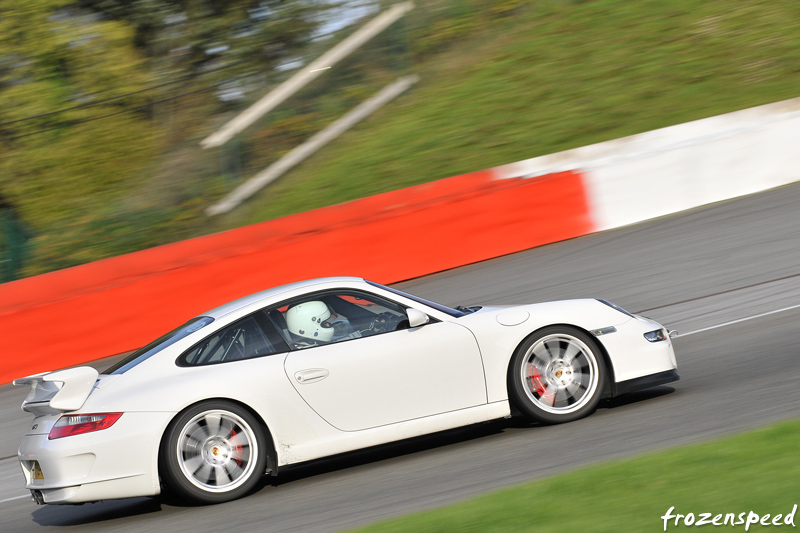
558, 75
756, 471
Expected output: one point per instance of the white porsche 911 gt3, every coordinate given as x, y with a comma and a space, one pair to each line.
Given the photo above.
314, 369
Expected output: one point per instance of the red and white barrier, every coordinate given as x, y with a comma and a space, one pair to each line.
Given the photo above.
656, 173
99, 309
92, 311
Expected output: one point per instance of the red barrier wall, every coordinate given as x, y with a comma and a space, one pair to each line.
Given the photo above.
84, 313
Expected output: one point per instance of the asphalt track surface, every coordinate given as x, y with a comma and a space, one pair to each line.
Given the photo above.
726, 276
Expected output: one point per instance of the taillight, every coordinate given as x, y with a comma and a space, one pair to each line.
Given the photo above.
69, 425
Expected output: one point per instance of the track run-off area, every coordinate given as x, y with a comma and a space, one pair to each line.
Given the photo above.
725, 276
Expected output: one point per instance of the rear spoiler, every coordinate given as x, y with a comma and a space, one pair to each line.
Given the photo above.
54, 392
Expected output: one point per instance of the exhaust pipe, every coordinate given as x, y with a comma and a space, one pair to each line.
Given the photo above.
37, 497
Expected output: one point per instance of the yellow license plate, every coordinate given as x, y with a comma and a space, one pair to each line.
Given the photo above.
36, 471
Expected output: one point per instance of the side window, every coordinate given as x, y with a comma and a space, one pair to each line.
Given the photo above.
335, 316
244, 339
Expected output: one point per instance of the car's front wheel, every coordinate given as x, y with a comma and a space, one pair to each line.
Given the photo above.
556, 375
213, 452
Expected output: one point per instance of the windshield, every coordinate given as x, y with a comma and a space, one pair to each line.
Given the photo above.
439, 307
159, 344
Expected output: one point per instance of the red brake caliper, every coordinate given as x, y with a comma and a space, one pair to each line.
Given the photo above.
237, 450
537, 385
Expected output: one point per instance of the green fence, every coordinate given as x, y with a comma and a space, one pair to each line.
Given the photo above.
13, 244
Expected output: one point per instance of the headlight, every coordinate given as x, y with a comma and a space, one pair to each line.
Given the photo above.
656, 335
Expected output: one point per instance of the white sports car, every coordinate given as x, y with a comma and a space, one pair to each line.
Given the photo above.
318, 368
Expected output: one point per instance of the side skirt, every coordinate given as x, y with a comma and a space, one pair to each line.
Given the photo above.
349, 441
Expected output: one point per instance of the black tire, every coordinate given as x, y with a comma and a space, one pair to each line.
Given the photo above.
213, 452
556, 375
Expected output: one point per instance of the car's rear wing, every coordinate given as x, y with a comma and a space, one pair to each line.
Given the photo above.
55, 392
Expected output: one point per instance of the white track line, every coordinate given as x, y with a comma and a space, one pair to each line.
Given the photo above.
740, 320
15, 498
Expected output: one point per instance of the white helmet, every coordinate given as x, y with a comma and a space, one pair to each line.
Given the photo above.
306, 320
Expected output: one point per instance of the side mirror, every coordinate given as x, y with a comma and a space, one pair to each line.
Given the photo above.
416, 318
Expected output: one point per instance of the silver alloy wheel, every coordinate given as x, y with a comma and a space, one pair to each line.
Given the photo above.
559, 373
217, 451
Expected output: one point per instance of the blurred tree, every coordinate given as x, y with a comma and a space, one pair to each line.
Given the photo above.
196, 34
60, 69
81, 123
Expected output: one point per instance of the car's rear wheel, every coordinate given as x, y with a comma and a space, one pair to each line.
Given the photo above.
557, 375
213, 452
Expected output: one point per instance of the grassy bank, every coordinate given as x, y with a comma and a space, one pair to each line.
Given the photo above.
756, 471
557, 75
500, 81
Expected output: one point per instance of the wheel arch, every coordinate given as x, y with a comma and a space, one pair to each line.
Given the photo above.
272, 462
608, 386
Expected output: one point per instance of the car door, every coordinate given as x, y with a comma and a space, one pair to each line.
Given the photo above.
390, 377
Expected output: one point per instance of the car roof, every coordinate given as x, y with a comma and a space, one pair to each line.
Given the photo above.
274, 292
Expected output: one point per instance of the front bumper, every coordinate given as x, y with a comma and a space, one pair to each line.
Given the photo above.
645, 382
635, 359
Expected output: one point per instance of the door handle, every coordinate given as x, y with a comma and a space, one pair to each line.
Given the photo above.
311, 375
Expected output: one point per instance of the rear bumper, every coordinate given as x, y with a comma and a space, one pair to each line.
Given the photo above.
118, 462
92, 492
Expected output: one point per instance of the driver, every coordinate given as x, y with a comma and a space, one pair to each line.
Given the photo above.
315, 322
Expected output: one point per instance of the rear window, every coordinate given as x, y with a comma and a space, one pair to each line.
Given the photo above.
159, 344
250, 337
